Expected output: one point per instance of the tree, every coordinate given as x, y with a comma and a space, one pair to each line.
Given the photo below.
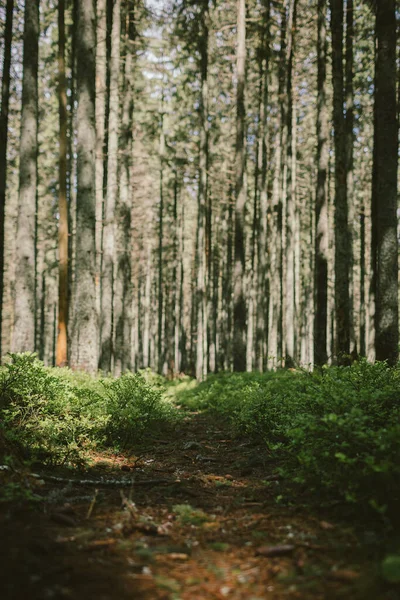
25, 299
201, 285
84, 338
342, 233
384, 188
321, 221
62, 356
123, 281
5, 99
239, 299
109, 228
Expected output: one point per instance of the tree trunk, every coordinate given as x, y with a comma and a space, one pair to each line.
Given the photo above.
101, 93
289, 294
384, 189
239, 301
84, 340
262, 283
201, 285
5, 99
107, 324
342, 232
123, 291
321, 203
61, 355
25, 297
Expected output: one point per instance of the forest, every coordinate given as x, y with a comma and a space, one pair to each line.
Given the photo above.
199, 292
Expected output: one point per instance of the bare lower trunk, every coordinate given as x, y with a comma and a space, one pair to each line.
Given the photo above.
25, 284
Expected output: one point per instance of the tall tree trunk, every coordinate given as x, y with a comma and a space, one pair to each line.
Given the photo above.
201, 285
123, 291
262, 284
276, 240
84, 340
289, 294
384, 189
62, 355
349, 124
321, 221
239, 301
106, 362
160, 291
5, 99
101, 93
342, 232
25, 297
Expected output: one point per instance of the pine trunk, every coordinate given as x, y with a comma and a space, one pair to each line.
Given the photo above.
384, 192
239, 301
25, 283
84, 338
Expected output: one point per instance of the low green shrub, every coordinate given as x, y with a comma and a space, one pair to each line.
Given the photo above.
135, 408
336, 430
57, 416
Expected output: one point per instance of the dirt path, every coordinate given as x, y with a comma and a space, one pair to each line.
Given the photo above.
200, 521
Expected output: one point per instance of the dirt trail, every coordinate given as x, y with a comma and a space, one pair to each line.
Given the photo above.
200, 521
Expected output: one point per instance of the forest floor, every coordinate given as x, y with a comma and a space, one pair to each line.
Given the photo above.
199, 521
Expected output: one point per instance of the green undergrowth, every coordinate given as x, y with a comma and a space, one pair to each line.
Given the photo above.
56, 416
334, 432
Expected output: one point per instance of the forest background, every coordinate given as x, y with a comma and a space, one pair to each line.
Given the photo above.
199, 186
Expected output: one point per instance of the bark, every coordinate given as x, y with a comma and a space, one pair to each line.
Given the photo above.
201, 285
62, 355
342, 232
123, 292
384, 192
160, 291
290, 230
25, 284
101, 93
239, 310
349, 126
262, 284
84, 338
5, 99
322, 230
107, 324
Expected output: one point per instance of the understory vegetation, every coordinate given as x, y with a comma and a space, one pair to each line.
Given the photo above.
56, 416
334, 433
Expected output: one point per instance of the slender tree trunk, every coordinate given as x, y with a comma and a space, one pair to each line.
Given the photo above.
123, 292
5, 99
101, 93
342, 232
84, 340
262, 284
160, 337
349, 124
108, 274
289, 294
321, 221
201, 285
384, 191
62, 355
25, 297
275, 329
239, 301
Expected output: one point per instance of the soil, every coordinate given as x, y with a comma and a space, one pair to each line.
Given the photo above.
191, 516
